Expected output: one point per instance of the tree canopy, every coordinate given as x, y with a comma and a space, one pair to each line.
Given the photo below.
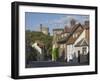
32, 36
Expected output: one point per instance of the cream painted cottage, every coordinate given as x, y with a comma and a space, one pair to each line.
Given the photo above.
76, 43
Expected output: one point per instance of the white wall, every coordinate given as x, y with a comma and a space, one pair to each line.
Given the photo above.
80, 37
70, 52
5, 40
71, 49
80, 49
76, 49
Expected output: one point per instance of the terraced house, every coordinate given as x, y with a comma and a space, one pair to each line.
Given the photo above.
73, 43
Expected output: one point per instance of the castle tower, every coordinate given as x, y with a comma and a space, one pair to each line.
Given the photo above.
44, 30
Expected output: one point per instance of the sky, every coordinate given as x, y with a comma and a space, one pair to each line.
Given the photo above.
51, 20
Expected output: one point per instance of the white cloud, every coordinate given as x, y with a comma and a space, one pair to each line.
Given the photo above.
65, 20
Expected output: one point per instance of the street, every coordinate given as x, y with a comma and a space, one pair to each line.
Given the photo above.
35, 64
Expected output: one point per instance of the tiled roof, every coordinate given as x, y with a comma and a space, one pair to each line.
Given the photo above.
57, 29
62, 40
40, 43
67, 29
85, 27
70, 39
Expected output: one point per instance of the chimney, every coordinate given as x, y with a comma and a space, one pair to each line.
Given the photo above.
65, 29
86, 23
72, 22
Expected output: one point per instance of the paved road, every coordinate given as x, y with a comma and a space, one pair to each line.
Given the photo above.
51, 64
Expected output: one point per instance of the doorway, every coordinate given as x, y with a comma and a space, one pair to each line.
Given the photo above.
78, 56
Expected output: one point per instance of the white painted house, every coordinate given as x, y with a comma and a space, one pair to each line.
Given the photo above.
40, 55
35, 45
77, 42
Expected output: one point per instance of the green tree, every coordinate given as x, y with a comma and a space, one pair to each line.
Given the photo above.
55, 54
32, 36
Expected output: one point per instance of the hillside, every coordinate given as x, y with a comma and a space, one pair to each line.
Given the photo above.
31, 37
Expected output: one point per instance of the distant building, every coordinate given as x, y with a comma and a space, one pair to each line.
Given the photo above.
44, 30
39, 46
72, 22
56, 33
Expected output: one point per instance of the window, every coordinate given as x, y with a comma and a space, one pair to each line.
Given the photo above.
84, 50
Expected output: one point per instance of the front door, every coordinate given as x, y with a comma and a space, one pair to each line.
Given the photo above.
78, 56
